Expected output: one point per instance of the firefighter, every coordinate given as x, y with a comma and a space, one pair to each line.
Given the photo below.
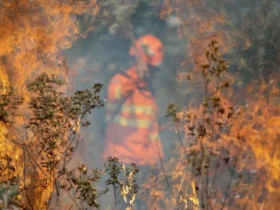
132, 133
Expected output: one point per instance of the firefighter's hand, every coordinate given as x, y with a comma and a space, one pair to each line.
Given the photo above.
142, 84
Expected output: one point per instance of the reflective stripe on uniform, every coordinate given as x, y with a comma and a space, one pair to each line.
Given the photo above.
131, 108
118, 92
154, 136
128, 122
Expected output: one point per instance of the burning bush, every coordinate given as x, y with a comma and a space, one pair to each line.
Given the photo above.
51, 136
229, 156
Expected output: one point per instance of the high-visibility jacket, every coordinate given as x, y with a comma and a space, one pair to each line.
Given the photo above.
132, 133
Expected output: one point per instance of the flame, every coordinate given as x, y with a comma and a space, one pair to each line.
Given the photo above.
32, 37
253, 138
261, 125
201, 23
254, 130
4, 83
34, 32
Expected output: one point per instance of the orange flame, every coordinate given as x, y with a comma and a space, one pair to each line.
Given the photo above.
33, 33
254, 131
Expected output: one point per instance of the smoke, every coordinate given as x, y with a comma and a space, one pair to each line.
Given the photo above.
101, 55
246, 32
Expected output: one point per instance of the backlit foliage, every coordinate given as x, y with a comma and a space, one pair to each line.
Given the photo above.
226, 159
122, 178
51, 137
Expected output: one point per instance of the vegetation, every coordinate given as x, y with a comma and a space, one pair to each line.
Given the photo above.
217, 158
214, 144
50, 141
224, 111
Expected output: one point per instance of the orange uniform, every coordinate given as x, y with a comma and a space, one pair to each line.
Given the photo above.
132, 133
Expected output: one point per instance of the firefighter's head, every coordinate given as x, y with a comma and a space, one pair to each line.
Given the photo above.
149, 48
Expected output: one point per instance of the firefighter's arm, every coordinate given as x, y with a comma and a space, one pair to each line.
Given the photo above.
121, 85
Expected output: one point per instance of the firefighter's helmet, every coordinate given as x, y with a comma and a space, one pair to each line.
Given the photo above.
149, 48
